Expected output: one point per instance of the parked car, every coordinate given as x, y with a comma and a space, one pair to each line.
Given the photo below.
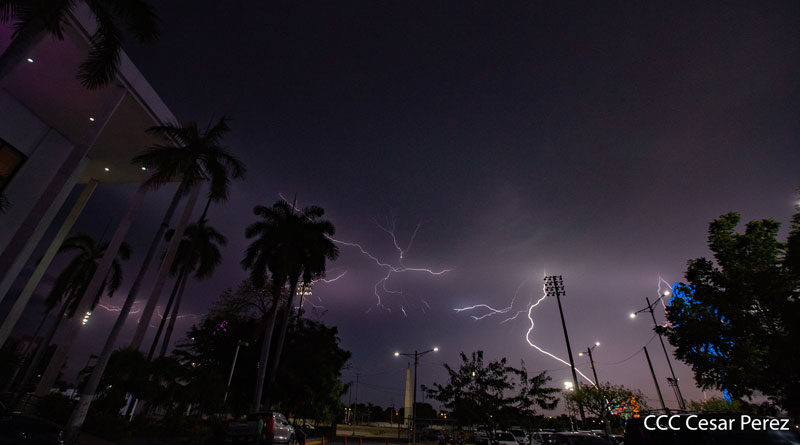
21, 430
576, 439
540, 438
504, 438
245, 431
519, 434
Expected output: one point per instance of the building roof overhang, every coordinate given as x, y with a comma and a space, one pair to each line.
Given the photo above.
49, 87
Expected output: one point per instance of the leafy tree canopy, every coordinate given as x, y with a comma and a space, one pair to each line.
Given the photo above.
493, 391
308, 386
735, 320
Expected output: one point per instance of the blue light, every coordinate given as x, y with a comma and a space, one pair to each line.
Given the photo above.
686, 293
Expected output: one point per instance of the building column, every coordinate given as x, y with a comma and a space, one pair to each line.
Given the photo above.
22, 301
30, 232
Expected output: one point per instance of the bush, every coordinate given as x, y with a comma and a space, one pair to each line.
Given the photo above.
193, 430
55, 407
108, 426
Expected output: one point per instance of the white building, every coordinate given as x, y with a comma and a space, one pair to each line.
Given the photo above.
56, 134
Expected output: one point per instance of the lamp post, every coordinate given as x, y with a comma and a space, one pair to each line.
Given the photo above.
554, 287
591, 360
239, 344
673, 382
416, 356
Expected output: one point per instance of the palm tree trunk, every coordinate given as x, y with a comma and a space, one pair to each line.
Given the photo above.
73, 327
173, 317
164, 318
36, 333
88, 393
163, 272
40, 350
281, 337
264, 358
22, 47
24, 354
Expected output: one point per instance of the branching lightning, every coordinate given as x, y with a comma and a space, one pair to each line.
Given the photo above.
381, 289
136, 310
488, 311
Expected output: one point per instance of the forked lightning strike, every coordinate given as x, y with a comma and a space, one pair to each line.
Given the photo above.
490, 311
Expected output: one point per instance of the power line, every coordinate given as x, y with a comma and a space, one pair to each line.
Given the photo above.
638, 351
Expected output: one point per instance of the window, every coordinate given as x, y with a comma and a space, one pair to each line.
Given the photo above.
10, 161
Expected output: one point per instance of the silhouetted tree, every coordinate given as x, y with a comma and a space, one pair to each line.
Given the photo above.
735, 320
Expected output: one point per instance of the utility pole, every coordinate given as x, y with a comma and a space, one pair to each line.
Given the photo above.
674, 381
591, 360
554, 286
655, 380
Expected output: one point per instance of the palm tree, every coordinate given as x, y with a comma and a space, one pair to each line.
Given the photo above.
35, 19
72, 282
194, 157
292, 245
198, 252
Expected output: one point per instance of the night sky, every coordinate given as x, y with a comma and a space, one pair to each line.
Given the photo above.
593, 140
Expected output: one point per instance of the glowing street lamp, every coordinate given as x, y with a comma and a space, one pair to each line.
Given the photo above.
416, 356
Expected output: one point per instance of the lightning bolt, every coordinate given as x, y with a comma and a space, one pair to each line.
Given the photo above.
113, 308
381, 288
661, 292
489, 311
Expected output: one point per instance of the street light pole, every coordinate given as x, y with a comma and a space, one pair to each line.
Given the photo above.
239, 344
416, 356
414, 402
554, 286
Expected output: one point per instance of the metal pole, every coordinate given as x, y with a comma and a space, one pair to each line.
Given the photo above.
555, 282
594, 372
355, 413
655, 380
230, 376
414, 402
678, 395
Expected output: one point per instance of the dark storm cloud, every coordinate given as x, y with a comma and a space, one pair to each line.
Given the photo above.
590, 140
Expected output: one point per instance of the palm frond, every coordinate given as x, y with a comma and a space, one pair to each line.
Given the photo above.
139, 17
8, 9
104, 49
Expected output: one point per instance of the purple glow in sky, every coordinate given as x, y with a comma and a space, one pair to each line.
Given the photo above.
595, 141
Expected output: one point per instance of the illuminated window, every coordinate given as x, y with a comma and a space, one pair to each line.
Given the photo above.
10, 161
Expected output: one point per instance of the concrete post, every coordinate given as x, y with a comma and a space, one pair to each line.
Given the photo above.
19, 249
22, 301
